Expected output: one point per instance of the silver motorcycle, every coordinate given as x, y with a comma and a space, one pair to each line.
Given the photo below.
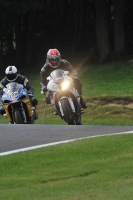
64, 97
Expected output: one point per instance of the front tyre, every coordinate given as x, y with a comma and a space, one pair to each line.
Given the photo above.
68, 116
78, 121
18, 118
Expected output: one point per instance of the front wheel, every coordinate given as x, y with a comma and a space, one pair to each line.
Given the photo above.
18, 118
68, 116
78, 120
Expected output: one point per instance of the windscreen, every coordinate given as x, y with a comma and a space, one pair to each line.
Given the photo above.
57, 75
13, 86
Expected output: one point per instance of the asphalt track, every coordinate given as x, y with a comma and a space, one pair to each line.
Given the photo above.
16, 137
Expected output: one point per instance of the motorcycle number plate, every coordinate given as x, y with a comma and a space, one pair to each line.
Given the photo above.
14, 95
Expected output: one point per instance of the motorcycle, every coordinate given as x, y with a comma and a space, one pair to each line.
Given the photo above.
16, 102
64, 97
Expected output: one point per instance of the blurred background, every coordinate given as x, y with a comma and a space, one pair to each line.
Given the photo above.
89, 30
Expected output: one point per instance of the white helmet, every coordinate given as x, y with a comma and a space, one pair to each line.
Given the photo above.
11, 73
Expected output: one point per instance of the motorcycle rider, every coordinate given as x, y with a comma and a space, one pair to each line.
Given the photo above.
11, 75
54, 61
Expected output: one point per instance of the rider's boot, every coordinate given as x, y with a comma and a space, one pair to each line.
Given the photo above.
83, 103
35, 116
47, 100
55, 112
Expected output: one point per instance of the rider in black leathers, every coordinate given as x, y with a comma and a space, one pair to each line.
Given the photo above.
11, 75
54, 61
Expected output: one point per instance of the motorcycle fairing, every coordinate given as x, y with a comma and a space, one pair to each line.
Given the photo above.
13, 92
28, 105
15, 97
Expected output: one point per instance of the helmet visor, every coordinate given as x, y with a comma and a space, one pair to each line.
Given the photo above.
11, 76
54, 61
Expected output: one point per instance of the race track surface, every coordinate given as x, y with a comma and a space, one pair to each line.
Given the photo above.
14, 137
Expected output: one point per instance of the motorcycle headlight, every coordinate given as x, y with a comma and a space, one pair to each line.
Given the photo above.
65, 85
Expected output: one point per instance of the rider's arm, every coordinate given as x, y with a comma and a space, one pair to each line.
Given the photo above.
28, 87
69, 67
2, 85
43, 76
25, 82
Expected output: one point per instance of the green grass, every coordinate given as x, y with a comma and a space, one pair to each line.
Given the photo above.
103, 85
110, 79
97, 168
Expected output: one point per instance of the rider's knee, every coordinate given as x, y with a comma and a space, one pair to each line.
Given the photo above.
34, 101
2, 110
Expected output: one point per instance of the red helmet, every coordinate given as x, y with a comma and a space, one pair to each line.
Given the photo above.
53, 58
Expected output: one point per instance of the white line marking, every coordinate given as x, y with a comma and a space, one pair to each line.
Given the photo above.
55, 143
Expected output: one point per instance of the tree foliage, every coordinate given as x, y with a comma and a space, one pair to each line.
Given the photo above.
92, 28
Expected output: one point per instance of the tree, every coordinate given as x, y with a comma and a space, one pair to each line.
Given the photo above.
102, 30
16, 30
119, 38
77, 28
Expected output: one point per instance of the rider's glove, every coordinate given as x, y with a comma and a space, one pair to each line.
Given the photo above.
30, 93
44, 89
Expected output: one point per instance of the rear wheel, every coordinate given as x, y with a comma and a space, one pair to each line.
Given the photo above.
18, 118
68, 116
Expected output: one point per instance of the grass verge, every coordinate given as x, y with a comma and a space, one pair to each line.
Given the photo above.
96, 168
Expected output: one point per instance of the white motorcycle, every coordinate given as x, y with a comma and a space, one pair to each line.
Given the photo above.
64, 97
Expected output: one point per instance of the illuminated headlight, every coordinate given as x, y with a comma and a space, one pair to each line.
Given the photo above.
65, 85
